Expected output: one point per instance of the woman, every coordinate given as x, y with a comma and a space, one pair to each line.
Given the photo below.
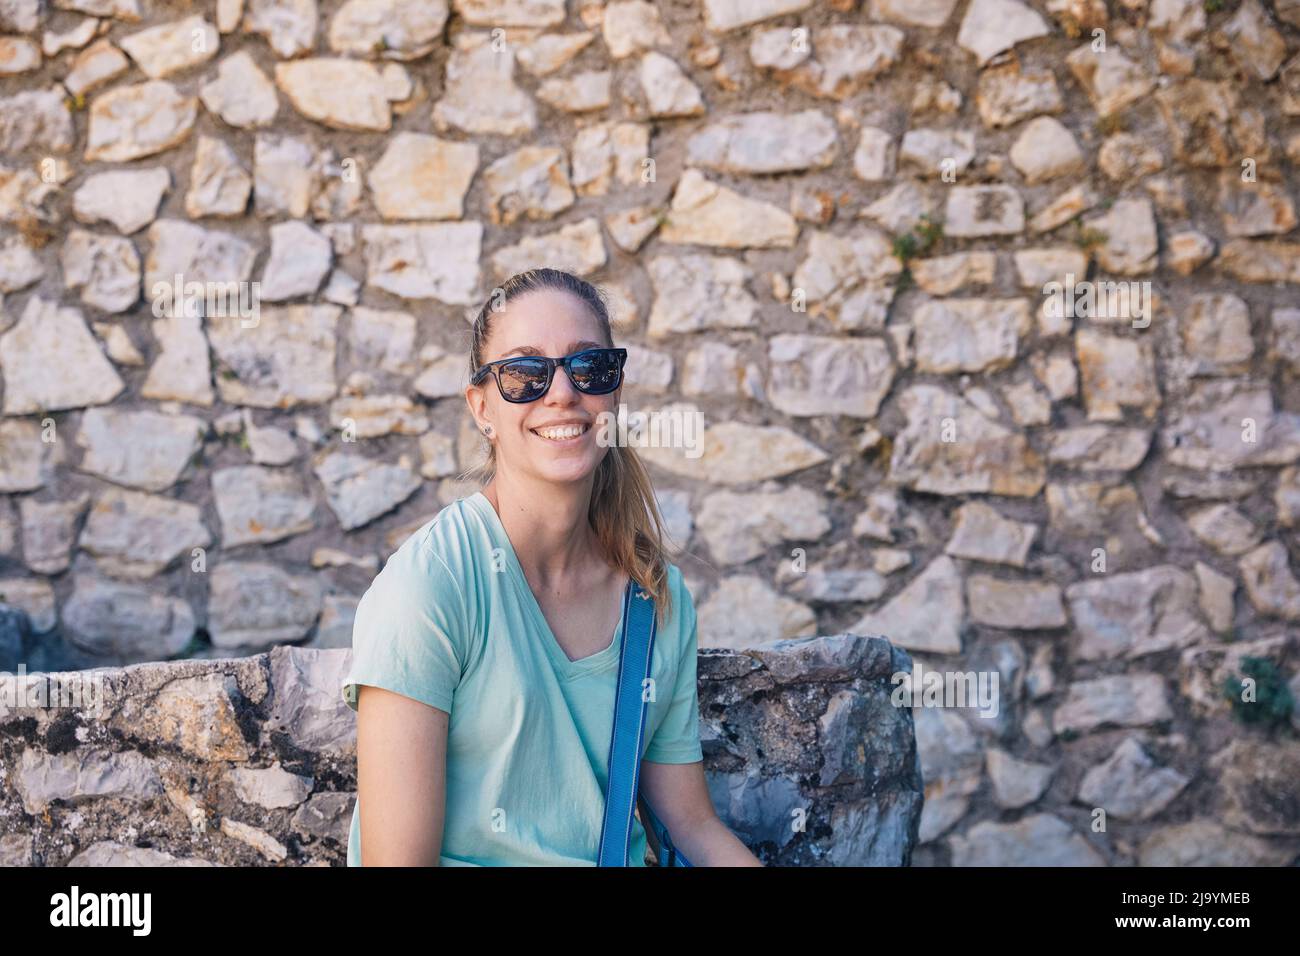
483, 668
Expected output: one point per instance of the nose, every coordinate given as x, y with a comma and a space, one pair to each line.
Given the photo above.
562, 391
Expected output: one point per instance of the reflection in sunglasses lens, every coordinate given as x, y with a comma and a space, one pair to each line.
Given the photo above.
523, 378
596, 371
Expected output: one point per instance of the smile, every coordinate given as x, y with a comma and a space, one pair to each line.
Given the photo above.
561, 434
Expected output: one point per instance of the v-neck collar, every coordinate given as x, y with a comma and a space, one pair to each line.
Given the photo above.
600, 660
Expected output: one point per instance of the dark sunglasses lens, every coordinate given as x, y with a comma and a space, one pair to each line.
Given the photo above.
523, 380
597, 371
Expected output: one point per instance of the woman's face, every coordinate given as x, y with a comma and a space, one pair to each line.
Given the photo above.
552, 323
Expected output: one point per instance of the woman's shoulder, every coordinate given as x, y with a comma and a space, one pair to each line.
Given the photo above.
446, 542
683, 603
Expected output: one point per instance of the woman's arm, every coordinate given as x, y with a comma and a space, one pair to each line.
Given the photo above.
679, 796
401, 778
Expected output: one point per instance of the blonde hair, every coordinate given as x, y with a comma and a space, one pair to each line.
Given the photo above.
624, 513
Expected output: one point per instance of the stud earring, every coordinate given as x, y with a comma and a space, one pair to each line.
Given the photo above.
487, 430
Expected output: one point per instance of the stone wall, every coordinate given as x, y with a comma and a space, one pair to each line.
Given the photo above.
832, 228
252, 761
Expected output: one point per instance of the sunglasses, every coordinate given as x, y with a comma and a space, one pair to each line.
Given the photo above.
526, 378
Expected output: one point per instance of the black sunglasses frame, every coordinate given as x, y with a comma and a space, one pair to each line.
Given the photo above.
551, 363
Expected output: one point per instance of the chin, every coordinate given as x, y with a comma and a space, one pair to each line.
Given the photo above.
562, 469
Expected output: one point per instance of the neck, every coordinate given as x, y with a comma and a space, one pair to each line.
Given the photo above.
547, 524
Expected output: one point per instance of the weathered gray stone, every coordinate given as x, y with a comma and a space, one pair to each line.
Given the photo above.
1208, 125
98, 64
1041, 840
423, 177
289, 26
1253, 41
168, 48
219, 185
1207, 843
255, 605
336, 92
81, 776
284, 176
991, 26
260, 505
818, 375
765, 142
1135, 614
969, 335
1116, 373
368, 416
981, 534
299, 261
398, 29
1130, 245
1014, 604
26, 461
240, 93
723, 15
19, 267
951, 765
1122, 700
1005, 95
927, 615
1113, 81
196, 254
273, 787
182, 371
917, 13
740, 526
1016, 783
139, 449
1129, 786
125, 622
1270, 585
35, 119
136, 535
105, 268
1229, 423
50, 337
1258, 786
480, 95
938, 152
1045, 150
949, 447
708, 214
284, 359
735, 453
438, 261
848, 278
1224, 528
360, 489
743, 612
1099, 447
130, 122
578, 248
974, 211
127, 198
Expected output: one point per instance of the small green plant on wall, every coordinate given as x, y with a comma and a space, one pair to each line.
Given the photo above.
913, 243
1259, 694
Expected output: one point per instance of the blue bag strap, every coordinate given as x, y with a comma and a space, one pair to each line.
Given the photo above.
665, 852
629, 725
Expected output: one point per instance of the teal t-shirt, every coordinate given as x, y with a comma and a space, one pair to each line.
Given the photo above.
451, 621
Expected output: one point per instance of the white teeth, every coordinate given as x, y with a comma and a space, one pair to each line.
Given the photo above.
561, 432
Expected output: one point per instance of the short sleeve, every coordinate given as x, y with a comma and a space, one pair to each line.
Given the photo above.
677, 738
409, 633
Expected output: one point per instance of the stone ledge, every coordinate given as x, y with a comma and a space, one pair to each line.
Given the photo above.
252, 761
